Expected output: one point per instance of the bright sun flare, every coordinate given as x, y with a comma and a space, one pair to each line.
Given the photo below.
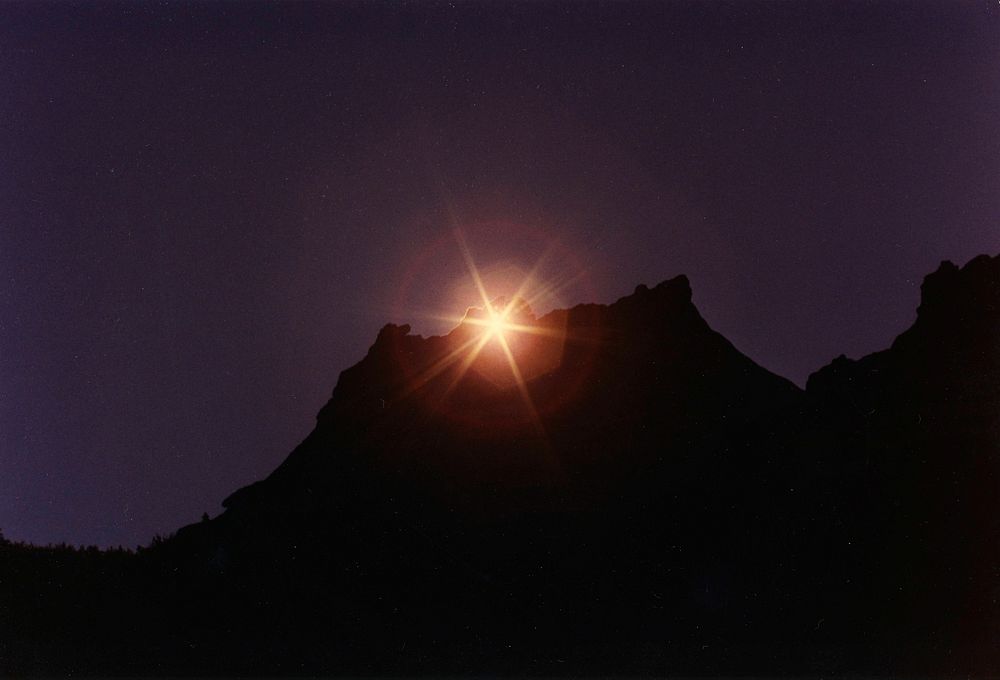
496, 325
500, 320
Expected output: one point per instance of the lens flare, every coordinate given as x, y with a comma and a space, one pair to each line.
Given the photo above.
500, 341
496, 325
500, 322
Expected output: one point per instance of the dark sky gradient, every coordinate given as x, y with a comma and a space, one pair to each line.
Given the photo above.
207, 211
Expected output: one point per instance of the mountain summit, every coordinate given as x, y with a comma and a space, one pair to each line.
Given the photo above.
603, 489
608, 391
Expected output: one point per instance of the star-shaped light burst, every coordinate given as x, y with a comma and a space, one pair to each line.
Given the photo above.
497, 324
500, 320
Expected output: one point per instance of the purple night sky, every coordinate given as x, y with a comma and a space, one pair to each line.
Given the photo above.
207, 211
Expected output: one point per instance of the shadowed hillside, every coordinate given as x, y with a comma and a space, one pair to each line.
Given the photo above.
638, 497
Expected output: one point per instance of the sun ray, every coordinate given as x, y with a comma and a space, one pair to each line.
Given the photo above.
529, 279
522, 386
473, 270
467, 363
552, 289
517, 327
437, 368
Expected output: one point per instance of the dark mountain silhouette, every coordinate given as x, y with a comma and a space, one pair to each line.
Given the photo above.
645, 500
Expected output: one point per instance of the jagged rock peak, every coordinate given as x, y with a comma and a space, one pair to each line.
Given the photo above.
391, 330
671, 297
957, 315
678, 287
977, 282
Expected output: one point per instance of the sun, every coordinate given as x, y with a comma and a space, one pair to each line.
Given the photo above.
496, 325
503, 322
501, 319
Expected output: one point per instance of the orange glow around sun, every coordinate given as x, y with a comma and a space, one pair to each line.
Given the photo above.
500, 339
501, 323
495, 324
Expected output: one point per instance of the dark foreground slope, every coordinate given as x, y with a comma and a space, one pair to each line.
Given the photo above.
663, 506
912, 435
